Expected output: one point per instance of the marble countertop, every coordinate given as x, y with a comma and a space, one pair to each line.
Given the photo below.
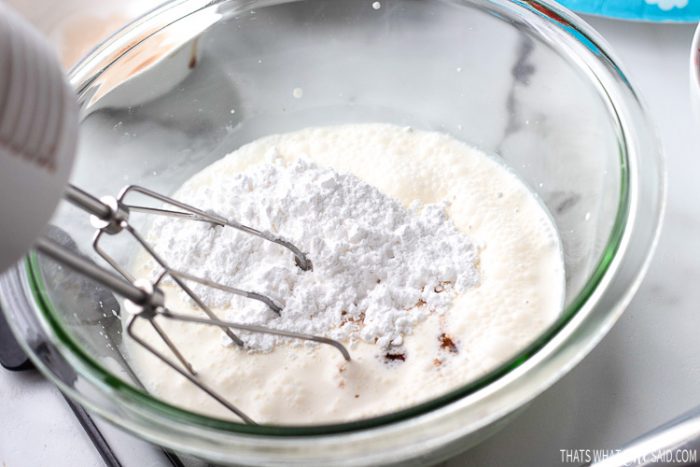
646, 371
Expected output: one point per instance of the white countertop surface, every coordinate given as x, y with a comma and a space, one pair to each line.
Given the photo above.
646, 371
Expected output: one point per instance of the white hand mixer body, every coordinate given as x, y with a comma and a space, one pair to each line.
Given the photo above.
38, 135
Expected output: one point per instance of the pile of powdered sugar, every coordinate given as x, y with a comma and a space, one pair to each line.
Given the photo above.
378, 267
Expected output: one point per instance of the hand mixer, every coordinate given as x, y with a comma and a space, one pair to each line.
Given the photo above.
38, 137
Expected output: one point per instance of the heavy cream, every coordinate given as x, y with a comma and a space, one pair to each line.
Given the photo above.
510, 289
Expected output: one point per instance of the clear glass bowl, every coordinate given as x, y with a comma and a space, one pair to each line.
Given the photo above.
195, 79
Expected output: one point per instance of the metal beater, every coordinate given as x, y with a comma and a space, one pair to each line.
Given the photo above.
38, 133
145, 300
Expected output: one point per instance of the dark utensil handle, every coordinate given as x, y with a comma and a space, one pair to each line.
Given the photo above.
94, 433
12, 357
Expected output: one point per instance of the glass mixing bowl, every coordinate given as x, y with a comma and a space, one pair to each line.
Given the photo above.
195, 79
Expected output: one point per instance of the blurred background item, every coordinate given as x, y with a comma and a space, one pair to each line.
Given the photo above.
76, 26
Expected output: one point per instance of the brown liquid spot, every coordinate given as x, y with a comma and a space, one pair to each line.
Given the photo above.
393, 357
351, 319
447, 343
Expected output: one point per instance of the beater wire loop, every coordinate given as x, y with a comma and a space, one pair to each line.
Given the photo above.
110, 216
253, 328
194, 380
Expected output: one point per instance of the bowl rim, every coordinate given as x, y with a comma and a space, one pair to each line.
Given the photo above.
116, 383
609, 252
603, 273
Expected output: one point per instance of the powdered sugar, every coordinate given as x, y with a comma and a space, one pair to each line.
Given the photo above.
379, 268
